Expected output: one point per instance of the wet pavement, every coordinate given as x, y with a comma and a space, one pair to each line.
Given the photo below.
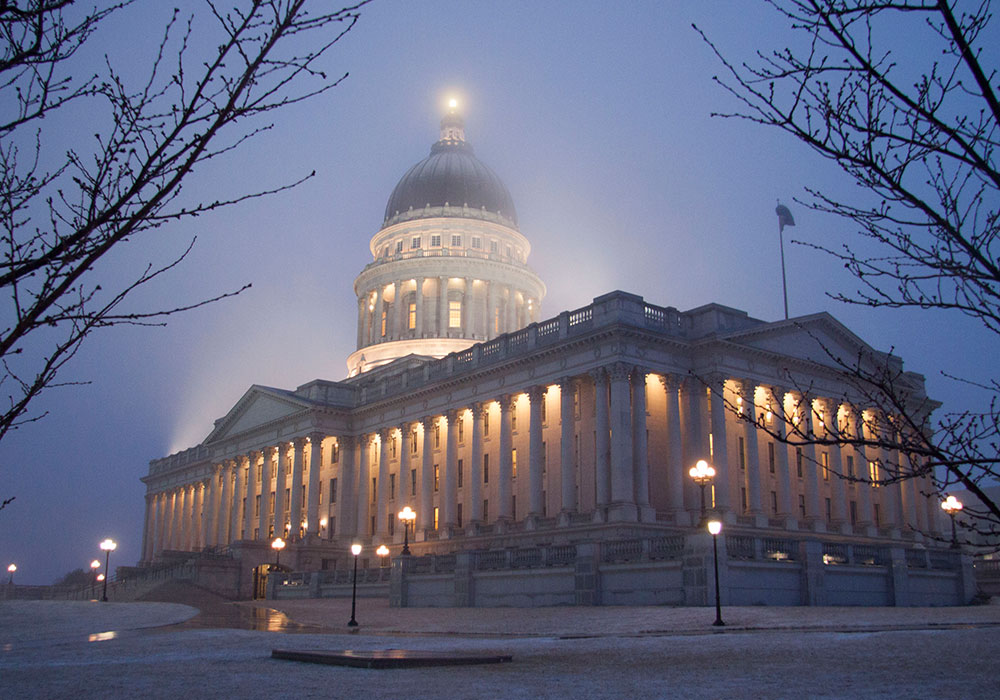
243, 616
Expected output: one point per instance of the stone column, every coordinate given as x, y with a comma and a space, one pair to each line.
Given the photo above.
536, 395
252, 492
147, 529
449, 494
640, 452
403, 498
183, 519
239, 498
226, 497
161, 513
511, 310
425, 513
864, 488
174, 522
785, 508
313, 485
695, 442
567, 433
264, 520
812, 467
747, 390
280, 484
201, 507
838, 498
675, 452
366, 320
442, 307
602, 442
505, 485
622, 475
401, 312
377, 318
295, 494
467, 310
211, 514
367, 443
382, 483
419, 300
347, 518
720, 449
491, 305
476, 469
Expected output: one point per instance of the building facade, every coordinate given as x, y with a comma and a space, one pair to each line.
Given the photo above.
502, 430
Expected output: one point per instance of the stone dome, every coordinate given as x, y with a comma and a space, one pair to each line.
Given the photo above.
452, 182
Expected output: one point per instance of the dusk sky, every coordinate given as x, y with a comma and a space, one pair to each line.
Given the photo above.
596, 117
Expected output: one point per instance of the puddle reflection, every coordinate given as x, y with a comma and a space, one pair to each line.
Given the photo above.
102, 636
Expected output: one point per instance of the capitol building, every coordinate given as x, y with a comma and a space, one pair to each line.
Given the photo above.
546, 457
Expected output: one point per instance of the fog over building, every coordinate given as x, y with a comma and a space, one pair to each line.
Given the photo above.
570, 435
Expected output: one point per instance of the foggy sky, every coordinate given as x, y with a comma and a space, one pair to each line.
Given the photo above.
596, 117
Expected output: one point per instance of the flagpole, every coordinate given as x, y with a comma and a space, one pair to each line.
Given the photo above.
781, 245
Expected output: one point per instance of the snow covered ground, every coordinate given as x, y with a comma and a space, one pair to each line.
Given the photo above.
71, 650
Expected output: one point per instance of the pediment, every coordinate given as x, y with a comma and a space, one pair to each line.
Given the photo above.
819, 338
259, 406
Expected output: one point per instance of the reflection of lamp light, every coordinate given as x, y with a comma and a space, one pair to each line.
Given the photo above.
952, 506
702, 473
108, 545
715, 527
355, 550
407, 515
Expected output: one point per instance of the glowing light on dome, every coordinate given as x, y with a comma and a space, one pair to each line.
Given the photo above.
452, 104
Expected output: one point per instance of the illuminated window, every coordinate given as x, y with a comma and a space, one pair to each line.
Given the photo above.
477, 242
256, 506
770, 457
513, 462
270, 504
399, 246
461, 429
435, 518
456, 240
486, 424
454, 314
383, 323
392, 448
260, 473
486, 469
825, 459
513, 417
494, 247
413, 441
374, 488
435, 241
437, 474
437, 435
496, 320
873, 473
412, 316
335, 453
415, 242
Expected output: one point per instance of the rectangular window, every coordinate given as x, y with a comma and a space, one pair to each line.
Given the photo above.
486, 469
770, 457
513, 463
458, 514
513, 418
435, 518
256, 506
321, 494
486, 509
333, 490
798, 462
543, 409
774, 503
383, 322
461, 429
413, 442
743, 499
486, 424
545, 501
437, 474
878, 516
392, 487
802, 505
335, 453
576, 403
850, 466
374, 489
435, 241
873, 473
437, 435
411, 316
413, 482
270, 504
454, 314
513, 507
854, 512
392, 448
825, 461
494, 247
399, 246
477, 242
456, 240
545, 461
371, 524
743, 454
415, 242
829, 509
391, 524
460, 470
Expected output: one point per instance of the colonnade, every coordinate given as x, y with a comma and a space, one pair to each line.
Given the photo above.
423, 308
624, 439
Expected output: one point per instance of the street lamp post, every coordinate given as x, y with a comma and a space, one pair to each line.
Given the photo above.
11, 569
355, 550
407, 515
702, 473
277, 546
952, 506
108, 546
715, 527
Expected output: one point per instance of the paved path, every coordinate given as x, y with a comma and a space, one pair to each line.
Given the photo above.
63, 650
